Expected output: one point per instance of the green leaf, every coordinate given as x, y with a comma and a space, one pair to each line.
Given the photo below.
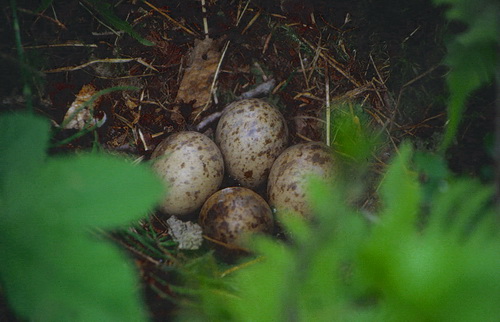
434, 172
60, 274
352, 136
105, 10
401, 195
53, 268
455, 210
271, 277
379, 255
23, 143
96, 190
472, 56
446, 271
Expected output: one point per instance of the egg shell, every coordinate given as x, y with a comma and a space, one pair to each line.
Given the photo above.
286, 188
231, 214
251, 134
192, 167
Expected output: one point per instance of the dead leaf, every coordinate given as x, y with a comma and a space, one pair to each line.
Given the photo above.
197, 80
78, 117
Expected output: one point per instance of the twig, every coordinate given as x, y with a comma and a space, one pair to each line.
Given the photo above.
240, 14
207, 120
251, 22
335, 64
76, 44
303, 69
178, 24
427, 72
105, 60
259, 90
205, 22
315, 59
55, 21
117, 33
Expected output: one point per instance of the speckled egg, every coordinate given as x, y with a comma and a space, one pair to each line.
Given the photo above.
192, 166
287, 182
231, 214
251, 134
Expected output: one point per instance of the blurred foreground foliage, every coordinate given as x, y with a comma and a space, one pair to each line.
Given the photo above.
473, 55
54, 267
418, 261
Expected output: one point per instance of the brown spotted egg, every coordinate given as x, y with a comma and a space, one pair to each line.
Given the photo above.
286, 187
231, 214
192, 167
251, 133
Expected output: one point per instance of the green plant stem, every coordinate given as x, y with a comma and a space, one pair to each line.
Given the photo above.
497, 144
74, 136
27, 93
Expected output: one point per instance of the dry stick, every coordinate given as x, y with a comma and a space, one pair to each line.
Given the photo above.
306, 117
266, 42
240, 15
257, 15
390, 121
105, 60
76, 44
427, 72
315, 59
178, 24
41, 15
261, 89
410, 82
303, 68
116, 33
205, 22
335, 64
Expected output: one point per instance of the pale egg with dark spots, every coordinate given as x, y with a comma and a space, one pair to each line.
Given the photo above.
288, 179
251, 133
192, 167
232, 214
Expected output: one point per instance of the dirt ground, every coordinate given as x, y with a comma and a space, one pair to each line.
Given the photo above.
383, 55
